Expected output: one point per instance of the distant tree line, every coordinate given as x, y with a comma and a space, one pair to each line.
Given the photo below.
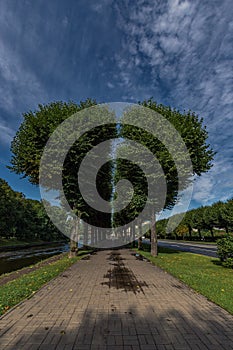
208, 222
24, 219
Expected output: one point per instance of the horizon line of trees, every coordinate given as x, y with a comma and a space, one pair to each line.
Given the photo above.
206, 222
24, 219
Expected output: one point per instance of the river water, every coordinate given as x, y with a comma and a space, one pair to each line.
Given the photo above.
17, 259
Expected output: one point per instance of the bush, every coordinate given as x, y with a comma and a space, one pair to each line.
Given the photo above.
225, 251
228, 263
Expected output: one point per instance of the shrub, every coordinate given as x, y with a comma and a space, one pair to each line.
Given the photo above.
228, 263
225, 251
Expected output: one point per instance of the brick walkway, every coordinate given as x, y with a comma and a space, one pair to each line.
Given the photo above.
114, 301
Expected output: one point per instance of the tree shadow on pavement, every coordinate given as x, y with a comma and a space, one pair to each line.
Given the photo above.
130, 330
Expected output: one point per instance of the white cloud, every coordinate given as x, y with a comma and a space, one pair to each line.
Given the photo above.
65, 21
184, 58
203, 192
215, 185
98, 7
180, 35
6, 134
110, 85
18, 81
179, 51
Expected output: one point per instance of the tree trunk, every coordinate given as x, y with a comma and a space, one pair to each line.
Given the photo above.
74, 239
140, 235
103, 235
85, 237
133, 234
190, 231
199, 232
92, 236
99, 235
95, 235
212, 233
154, 243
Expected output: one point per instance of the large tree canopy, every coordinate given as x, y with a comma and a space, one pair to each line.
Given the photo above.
193, 134
37, 127
30, 141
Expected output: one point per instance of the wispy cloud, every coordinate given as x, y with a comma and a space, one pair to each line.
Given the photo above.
19, 83
99, 7
215, 185
110, 85
6, 134
181, 53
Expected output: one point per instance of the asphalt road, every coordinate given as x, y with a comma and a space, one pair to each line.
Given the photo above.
203, 249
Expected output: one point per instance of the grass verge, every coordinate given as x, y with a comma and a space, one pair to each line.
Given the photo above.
25, 286
204, 274
189, 242
15, 242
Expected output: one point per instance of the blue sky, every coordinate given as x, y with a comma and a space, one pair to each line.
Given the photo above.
179, 52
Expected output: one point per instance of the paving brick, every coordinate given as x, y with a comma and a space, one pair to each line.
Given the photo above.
142, 308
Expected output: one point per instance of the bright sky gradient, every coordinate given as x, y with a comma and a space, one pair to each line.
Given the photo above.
179, 52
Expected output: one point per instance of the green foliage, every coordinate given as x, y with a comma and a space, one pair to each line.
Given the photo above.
194, 135
228, 263
161, 228
192, 131
226, 214
8, 209
212, 222
181, 230
22, 218
225, 251
36, 128
197, 220
30, 141
33, 134
210, 218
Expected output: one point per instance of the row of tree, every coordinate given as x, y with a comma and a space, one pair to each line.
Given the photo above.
37, 127
157, 186
24, 219
203, 221
28, 146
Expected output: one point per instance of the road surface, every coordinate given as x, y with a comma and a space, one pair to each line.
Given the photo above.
203, 249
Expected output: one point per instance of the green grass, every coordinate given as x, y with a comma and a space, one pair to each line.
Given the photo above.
12, 242
15, 242
192, 242
25, 286
204, 274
